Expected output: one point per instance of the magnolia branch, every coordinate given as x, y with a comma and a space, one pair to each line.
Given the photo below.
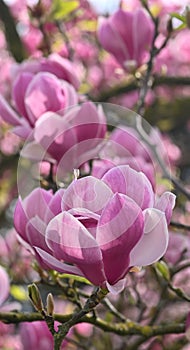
121, 328
145, 137
133, 85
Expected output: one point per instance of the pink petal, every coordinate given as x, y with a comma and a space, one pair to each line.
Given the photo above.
67, 235
7, 113
36, 203
35, 233
34, 151
71, 97
121, 22
89, 128
127, 143
166, 204
119, 229
55, 134
117, 287
87, 218
20, 219
111, 40
154, 241
55, 264
4, 285
19, 89
100, 167
71, 137
142, 39
54, 206
44, 93
61, 67
89, 193
135, 185
24, 131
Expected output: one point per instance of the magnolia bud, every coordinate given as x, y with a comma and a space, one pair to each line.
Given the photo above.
163, 270
35, 297
50, 304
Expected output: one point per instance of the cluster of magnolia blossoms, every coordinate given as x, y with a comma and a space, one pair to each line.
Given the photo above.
97, 228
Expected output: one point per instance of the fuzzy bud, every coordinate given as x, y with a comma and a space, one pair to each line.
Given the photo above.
35, 297
50, 304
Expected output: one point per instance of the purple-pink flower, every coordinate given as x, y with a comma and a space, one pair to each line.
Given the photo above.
127, 36
31, 220
101, 228
124, 146
39, 87
69, 140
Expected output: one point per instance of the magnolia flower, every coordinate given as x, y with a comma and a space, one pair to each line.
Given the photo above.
39, 87
125, 147
69, 140
127, 36
31, 220
33, 96
104, 228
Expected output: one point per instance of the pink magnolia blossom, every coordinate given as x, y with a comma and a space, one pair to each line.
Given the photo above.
31, 220
127, 36
125, 147
33, 96
39, 86
71, 139
104, 228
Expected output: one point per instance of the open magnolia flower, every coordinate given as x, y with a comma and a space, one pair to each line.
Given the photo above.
39, 87
68, 138
98, 229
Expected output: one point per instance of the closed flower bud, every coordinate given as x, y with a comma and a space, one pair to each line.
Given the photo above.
50, 304
35, 297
